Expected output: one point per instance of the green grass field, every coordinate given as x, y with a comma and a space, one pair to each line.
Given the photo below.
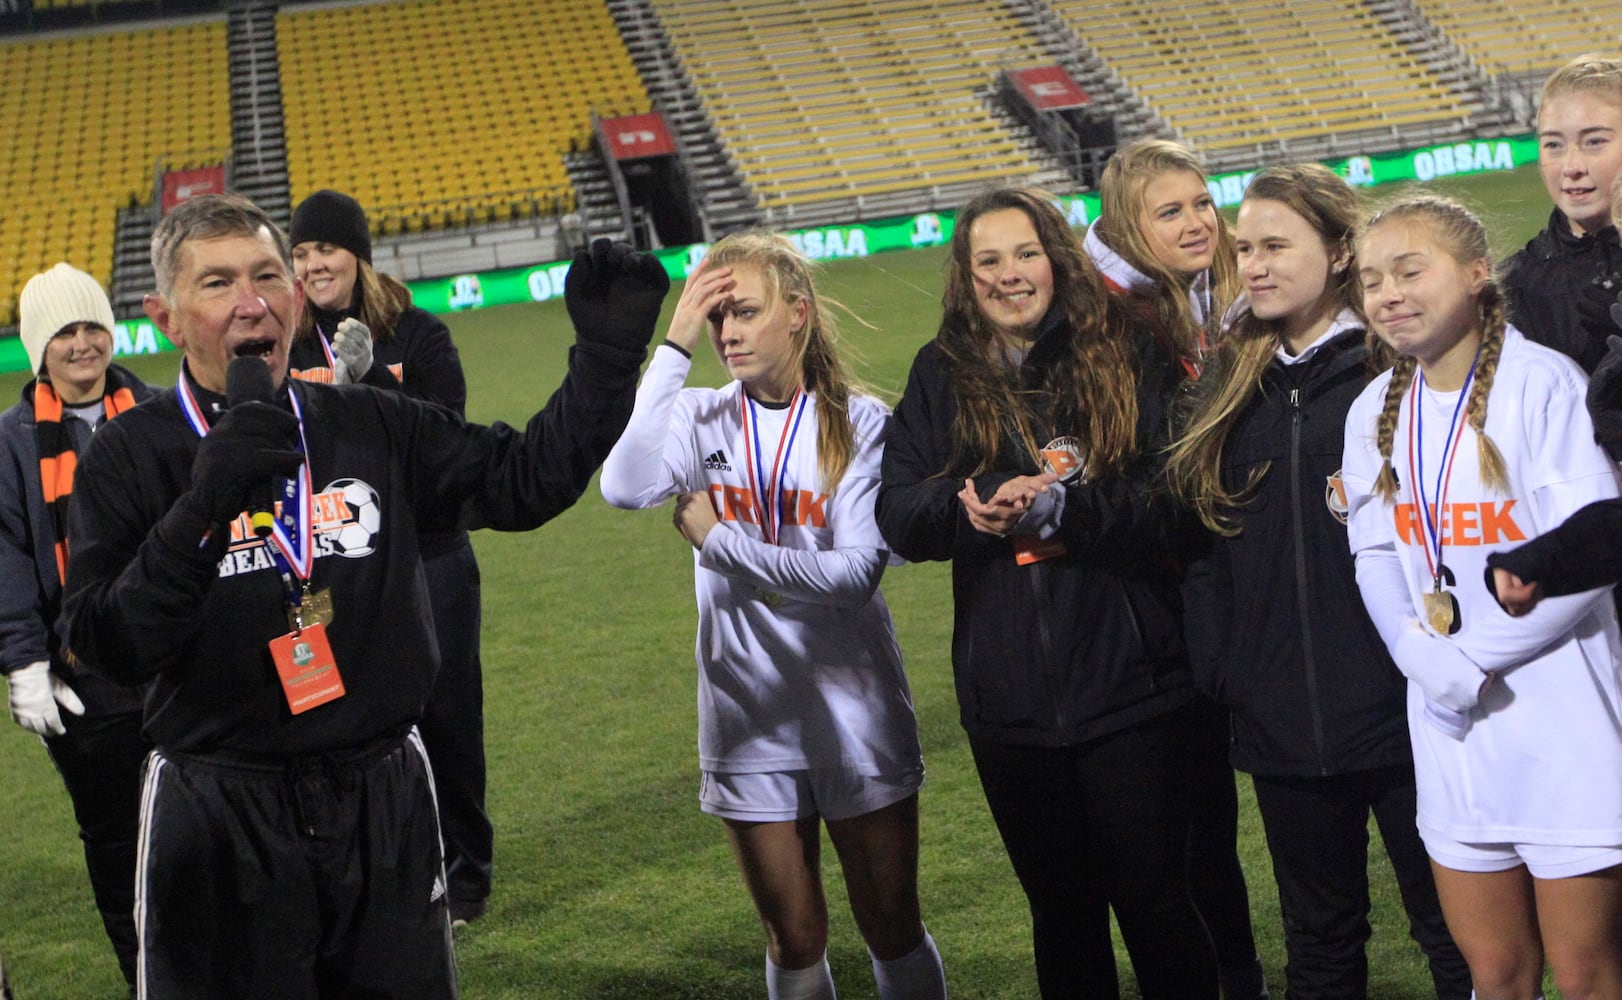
609, 881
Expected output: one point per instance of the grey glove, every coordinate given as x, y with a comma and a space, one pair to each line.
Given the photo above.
352, 348
35, 694
614, 294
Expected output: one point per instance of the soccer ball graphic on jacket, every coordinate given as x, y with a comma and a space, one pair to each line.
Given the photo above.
357, 535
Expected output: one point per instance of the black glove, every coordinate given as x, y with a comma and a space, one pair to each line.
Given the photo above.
252, 444
1599, 308
614, 294
1605, 398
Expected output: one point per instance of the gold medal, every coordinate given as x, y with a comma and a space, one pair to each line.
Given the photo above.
1441, 611
315, 608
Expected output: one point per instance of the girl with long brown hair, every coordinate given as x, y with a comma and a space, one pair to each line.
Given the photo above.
1278, 632
1022, 450
1479, 438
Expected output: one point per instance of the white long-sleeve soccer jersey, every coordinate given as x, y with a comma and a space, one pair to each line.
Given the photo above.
798, 661
1541, 762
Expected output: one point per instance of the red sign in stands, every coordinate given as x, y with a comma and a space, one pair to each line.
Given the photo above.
178, 185
1049, 88
636, 137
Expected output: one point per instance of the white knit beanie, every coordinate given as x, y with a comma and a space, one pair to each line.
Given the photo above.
57, 298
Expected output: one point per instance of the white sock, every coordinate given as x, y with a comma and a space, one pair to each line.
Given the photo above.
917, 975
815, 983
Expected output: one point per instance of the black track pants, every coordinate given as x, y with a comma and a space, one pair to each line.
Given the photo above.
293, 880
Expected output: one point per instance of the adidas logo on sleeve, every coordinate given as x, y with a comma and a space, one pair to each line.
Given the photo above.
717, 461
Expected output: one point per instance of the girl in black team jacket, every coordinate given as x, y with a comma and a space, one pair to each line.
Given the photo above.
408, 350
1278, 630
1022, 450
1167, 255
1561, 283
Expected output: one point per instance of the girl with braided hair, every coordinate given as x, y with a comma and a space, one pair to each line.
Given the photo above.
1278, 633
1476, 440
805, 717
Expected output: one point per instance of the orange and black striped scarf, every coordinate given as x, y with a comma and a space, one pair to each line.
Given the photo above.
58, 460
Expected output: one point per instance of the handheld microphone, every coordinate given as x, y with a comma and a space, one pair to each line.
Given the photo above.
247, 380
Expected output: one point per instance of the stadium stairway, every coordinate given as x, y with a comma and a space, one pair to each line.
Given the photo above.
725, 202
1133, 118
596, 202
132, 259
1408, 23
258, 131
1293, 86
258, 167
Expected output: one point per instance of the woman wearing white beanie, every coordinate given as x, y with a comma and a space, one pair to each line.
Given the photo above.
91, 727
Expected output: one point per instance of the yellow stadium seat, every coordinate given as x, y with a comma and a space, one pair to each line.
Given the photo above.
514, 90
1230, 73
126, 97
851, 108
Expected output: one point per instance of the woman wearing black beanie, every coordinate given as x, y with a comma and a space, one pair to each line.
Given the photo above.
350, 307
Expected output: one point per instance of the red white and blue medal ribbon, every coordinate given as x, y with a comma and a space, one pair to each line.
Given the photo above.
293, 529
326, 347
1431, 521
766, 492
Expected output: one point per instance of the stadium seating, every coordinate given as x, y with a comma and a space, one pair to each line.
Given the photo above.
453, 111
880, 96
83, 121
1526, 36
1229, 73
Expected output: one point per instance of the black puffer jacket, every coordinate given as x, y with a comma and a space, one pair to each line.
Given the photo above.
1275, 619
1545, 280
1060, 651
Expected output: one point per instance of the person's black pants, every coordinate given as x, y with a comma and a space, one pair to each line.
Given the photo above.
313, 878
1096, 826
1215, 876
1317, 833
452, 724
100, 758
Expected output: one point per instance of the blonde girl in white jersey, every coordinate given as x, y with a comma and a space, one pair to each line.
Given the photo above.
805, 717
1476, 441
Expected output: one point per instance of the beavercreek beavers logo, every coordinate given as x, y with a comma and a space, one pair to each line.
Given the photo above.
348, 519
1335, 497
1062, 457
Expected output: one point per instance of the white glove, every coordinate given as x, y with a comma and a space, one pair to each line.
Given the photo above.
1446, 676
1449, 723
35, 693
352, 344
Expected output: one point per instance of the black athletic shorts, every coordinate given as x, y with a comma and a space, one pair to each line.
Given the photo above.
317, 877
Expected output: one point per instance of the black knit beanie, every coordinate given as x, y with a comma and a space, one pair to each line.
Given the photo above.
332, 217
